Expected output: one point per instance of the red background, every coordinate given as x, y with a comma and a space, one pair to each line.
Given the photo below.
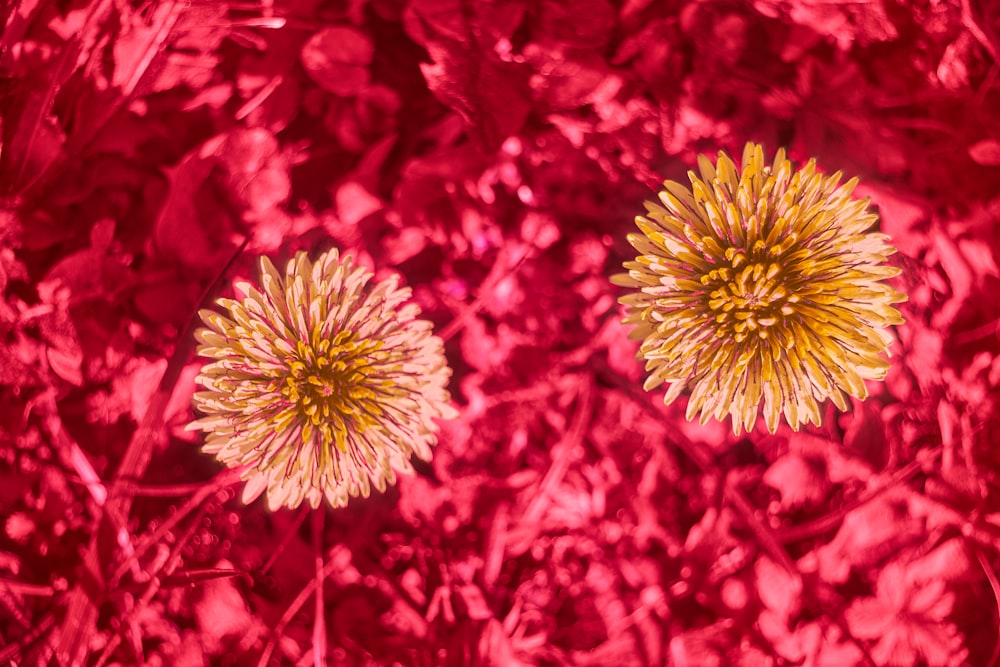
493, 153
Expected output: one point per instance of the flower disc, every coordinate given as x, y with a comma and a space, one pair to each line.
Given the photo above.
760, 285
321, 385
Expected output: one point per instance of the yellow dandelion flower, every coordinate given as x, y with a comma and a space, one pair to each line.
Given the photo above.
321, 385
760, 285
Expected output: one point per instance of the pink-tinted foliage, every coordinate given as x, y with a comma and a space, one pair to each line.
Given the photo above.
493, 153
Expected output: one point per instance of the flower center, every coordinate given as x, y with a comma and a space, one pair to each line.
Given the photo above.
749, 295
331, 384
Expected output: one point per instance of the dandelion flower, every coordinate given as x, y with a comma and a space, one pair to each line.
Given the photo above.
321, 385
760, 285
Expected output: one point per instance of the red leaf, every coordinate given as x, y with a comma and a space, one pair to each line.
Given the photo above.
475, 603
577, 23
66, 364
906, 622
242, 172
811, 644
221, 612
778, 590
142, 36
472, 70
570, 79
492, 96
31, 146
355, 203
495, 646
952, 70
20, 527
902, 216
959, 279
466, 22
866, 536
404, 245
798, 480
986, 152
254, 168
337, 58
180, 232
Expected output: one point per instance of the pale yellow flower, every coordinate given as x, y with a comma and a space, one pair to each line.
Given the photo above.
760, 285
321, 384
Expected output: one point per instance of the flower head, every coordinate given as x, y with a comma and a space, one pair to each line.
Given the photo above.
760, 285
320, 384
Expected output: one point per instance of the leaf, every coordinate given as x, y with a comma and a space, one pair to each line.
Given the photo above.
254, 168
337, 58
952, 70
495, 646
355, 203
238, 176
470, 23
66, 363
492, 96
698, 647
221, 611
979, 256
183, 49
585, 24
986, 152
907, 622
778, 590
33, 137
948, 562
20, 527
465, 40
571, 79
798, 480
475, 603
960, 278
141, 38
33, 140
404, 245
867, 535
902, 217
